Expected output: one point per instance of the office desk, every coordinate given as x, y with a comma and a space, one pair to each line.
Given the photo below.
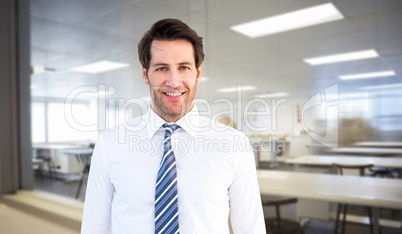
64, 166
373, 192
378, 144
82, 152
328, 160
367, 151
56, 146
83, 157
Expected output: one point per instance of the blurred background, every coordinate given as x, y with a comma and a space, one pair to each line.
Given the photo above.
86, 77
266, 76
66, 35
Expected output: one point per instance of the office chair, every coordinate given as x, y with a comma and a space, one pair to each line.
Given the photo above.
51, 166
37, 168
279, 225
86, 161
382, 172
361, 168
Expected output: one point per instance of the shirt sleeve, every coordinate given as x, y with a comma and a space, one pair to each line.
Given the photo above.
246, 212
99, 195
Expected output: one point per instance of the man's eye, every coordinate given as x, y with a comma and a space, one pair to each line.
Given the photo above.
161, 69
184, 68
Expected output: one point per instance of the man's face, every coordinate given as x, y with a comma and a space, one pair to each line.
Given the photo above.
172, 78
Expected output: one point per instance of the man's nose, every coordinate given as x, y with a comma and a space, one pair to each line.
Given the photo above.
173, 79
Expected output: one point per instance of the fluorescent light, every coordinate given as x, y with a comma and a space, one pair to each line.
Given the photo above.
98, 67
235, 89
342, 57
348, 95
270, 95
354, 95
367, 75
289, 21
204, 79
36, 70
383, 86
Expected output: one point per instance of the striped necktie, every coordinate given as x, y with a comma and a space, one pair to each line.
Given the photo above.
166, 199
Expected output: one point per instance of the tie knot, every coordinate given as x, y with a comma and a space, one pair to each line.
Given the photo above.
170, 128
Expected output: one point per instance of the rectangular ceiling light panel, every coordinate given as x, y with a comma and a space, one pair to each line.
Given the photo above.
390, 86
98, 67
235, 89
289, 21
271, 95
367, 75
342, 57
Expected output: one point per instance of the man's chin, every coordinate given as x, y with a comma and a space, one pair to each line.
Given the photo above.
169, 111
175, 114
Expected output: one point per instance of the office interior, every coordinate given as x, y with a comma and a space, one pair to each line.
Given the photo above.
268, 84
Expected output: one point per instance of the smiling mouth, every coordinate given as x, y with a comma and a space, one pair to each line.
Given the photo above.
174, 94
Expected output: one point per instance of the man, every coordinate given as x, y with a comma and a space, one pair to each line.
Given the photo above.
176, 172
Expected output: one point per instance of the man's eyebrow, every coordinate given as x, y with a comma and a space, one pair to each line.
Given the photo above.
159, 64
186, 63
165, 64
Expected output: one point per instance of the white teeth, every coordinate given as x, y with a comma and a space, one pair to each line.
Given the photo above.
173, 94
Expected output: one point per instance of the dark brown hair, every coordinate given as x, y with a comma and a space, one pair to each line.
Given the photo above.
169, 30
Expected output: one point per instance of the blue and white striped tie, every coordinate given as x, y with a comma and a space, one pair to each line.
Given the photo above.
166, 199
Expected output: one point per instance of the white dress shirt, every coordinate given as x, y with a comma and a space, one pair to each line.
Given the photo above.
216, 176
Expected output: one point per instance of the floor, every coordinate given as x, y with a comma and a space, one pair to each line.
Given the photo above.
15, 221
69, 189
63, 188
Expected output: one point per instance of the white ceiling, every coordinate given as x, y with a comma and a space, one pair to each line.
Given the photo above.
66, 34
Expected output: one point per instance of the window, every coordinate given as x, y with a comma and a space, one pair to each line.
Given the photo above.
49, 124
388, 114
38, 122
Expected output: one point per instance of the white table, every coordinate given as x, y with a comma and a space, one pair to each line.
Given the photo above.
65, 166
78, 151
373, 192
83, 157
367, 151
387, 144
329, 160
56, 146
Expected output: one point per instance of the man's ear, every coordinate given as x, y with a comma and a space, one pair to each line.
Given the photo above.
144, 76
199, 77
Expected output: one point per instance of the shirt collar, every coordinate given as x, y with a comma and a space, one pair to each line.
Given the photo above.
189, 122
